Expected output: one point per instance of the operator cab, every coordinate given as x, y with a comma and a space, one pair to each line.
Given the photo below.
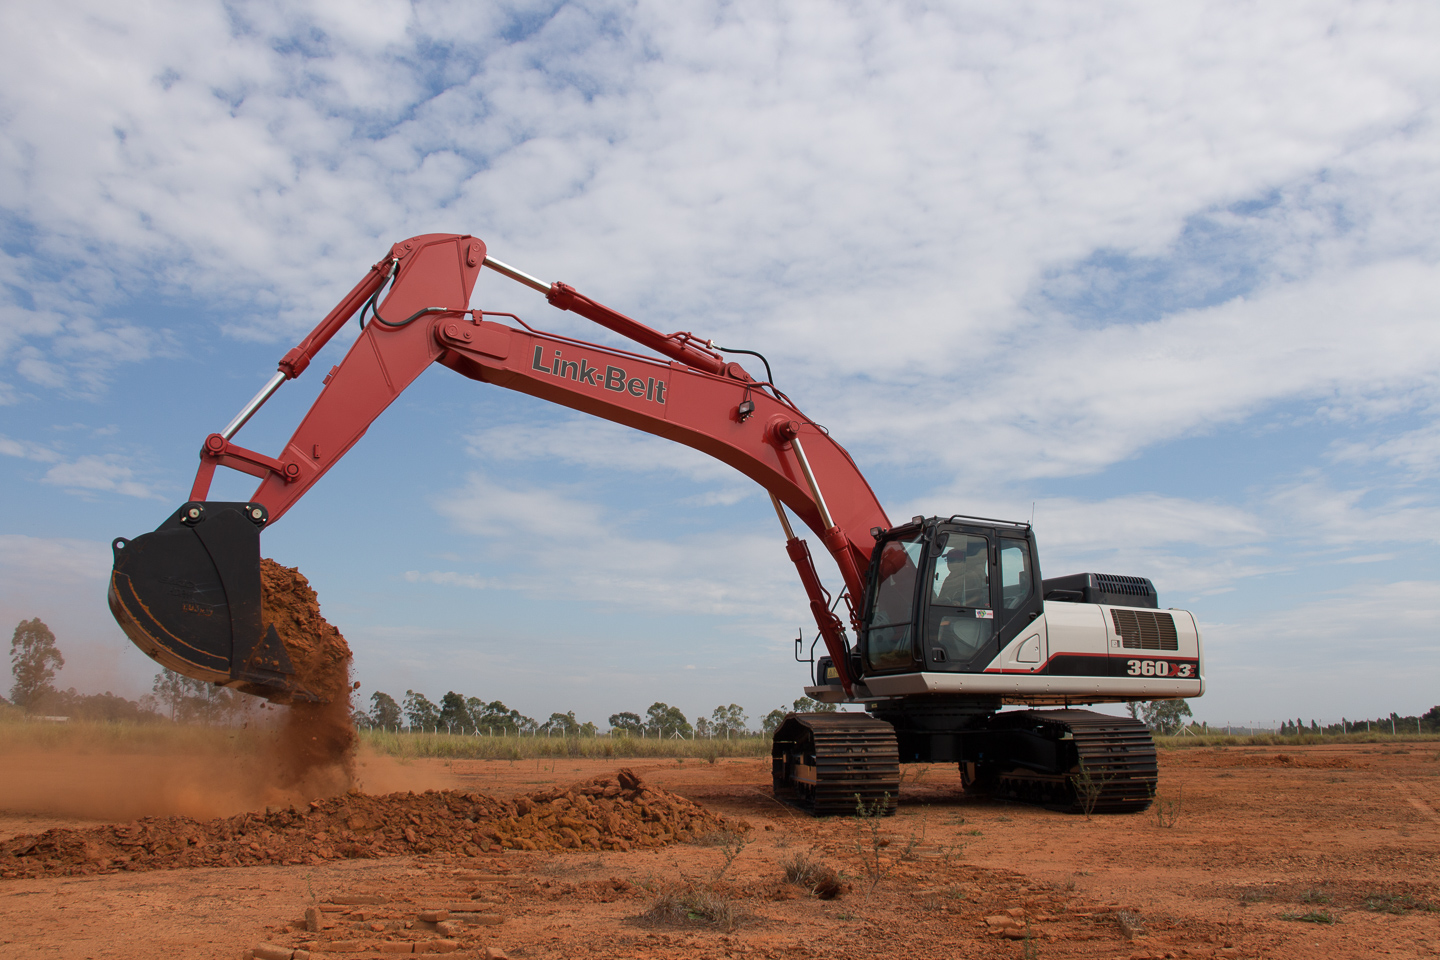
946, 595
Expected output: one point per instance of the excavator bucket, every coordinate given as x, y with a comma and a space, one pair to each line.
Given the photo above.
189, 595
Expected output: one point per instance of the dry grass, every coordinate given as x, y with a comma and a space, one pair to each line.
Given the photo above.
449, 746
816, 877
19, 735
1187, 741
703, 906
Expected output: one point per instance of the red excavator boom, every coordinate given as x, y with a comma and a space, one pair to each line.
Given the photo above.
189, 593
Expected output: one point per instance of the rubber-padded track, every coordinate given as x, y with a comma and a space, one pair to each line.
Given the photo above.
1107, 764
853, 756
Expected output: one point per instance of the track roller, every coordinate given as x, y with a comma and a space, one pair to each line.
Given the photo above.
831, 763
1074, 760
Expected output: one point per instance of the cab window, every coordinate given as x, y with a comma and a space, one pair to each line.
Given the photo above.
961, 621
1016, 581
961, 575
888, 639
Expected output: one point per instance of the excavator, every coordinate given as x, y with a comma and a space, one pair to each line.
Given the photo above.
942, 621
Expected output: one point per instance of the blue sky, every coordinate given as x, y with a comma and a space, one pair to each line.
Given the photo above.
1166, 277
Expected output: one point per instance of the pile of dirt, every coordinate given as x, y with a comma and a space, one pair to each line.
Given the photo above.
317, 741
606, 813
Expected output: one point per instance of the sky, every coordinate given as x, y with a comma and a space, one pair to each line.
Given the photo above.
1163, 277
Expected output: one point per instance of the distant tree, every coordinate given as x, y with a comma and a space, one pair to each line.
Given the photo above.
588, 729
562, 723
702, 728
34, 658
106, 707
629, 722
728, 721
1165, 717
666, 721
170, 688
772, 721
494, 717
455, 714
384, 711
421, 713
195, 701
806, 705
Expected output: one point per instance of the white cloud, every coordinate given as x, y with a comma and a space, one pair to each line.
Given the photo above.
54, 560
108, 472
598, 445
1334, 654
1313, 510
1416, 452
722, 168
103, 472
999, 242
452, 579
28, 450
553, 544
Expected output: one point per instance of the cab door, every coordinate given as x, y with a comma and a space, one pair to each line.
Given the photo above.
960, 596
1021, 629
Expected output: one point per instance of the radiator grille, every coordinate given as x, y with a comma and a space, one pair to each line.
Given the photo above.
1132, 586
1145, 629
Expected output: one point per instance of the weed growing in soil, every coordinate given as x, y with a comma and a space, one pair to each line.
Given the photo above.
1129, 924
695, 905
1314, 916
1315, 896
917, 837
730, 848
815, 876
868, 842
1029, 949
1378, 902
1167, 809
1088, 789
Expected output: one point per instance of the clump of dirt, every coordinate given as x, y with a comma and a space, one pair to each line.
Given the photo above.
316, 749
605, 813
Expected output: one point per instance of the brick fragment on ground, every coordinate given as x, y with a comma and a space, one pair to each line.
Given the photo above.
605, 813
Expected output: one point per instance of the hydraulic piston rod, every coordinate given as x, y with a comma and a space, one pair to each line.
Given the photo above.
266, 392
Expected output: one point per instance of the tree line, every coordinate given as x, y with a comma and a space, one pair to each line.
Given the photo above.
35, 658
459, 714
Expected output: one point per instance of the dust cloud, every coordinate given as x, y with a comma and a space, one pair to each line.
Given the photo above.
291, 755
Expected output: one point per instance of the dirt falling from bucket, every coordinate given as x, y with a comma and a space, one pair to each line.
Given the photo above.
316, 748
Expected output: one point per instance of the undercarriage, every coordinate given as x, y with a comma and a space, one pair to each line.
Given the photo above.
1070, 760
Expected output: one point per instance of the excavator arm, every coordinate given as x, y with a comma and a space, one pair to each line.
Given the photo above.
188, 594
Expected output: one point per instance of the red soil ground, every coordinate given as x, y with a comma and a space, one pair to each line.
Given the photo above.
1255, 836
